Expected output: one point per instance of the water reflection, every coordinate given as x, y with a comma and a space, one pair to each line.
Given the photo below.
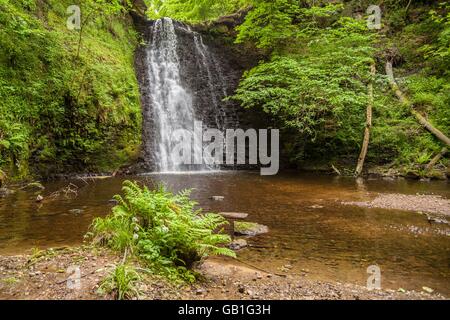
309, 228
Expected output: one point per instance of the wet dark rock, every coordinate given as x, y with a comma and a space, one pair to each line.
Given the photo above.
113, 202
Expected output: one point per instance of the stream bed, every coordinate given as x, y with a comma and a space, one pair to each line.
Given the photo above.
311, 232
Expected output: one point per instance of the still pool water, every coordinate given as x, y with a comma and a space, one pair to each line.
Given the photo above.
310, 229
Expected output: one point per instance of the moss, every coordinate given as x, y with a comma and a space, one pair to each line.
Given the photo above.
62, 111
249, 228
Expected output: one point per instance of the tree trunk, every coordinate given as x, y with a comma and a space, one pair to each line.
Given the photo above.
436, 132
436, 159
365, 145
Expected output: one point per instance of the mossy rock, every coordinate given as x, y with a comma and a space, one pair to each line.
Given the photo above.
249, 228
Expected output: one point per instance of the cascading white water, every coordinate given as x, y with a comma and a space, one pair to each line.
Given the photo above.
205, 59
172, 103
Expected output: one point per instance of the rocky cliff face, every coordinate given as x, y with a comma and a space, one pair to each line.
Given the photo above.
210, 69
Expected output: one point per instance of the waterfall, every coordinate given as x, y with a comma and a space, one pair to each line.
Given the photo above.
172, 100
205, 59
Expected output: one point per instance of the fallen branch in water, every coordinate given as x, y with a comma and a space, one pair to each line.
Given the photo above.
68, 191
336, 170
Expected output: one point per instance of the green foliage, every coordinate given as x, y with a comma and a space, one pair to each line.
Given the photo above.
277, 23
162, 229
423, 47
69, 100
66, 104
314, 85
320, 91
192, 10
439, 51
121, 283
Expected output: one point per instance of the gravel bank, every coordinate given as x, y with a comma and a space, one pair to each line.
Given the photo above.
418, 203
45, 276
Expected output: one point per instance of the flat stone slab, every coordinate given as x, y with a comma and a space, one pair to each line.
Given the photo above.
234, 215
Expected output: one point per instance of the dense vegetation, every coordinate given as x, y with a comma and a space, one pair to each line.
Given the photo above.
161, 229
69, 100
314, 81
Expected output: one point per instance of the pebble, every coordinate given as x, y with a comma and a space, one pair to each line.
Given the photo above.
427, 289
199, 291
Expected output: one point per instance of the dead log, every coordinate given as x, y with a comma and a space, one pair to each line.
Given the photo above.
405, 101
336, 170
365, 145
436, 159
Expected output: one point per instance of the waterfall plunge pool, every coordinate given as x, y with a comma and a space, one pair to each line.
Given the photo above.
309, 228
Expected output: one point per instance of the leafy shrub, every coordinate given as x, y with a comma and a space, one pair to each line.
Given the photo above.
121, 283
163, 229
192, 10
318, 95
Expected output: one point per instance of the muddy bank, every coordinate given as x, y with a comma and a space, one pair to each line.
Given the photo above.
417, 203
44, 276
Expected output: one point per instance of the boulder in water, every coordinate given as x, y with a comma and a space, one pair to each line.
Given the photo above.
249, 228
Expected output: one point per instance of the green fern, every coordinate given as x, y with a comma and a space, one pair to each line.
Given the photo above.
162, 229
121, 282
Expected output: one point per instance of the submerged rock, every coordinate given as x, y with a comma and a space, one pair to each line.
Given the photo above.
76, 211
5, 192
249, 228
238, 244
113, 202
